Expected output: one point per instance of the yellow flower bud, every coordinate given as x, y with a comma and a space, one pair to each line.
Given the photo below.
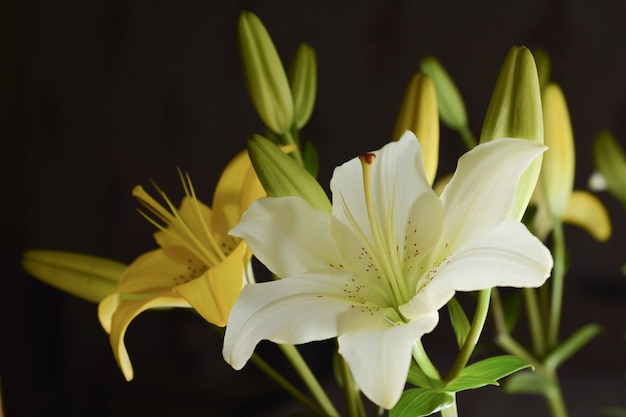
88, 277
282, 176
264, 74
418, 114
586, 211
557, 169
610, 160
515, 112
303, 82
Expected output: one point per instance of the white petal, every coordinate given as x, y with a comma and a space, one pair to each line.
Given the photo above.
295, 310
482, 191
397, 180
506, 255
288, 235
380, 359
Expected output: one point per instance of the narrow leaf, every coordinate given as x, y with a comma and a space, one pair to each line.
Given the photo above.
495, 368
419, 402
572, 345
460, 323
418, 377
527, 382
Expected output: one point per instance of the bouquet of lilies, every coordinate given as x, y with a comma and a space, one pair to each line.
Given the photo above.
375, 263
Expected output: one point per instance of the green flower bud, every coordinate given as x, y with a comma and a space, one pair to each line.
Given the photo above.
418, 113
88, 277
515, 112
449, 100
282, 176
557, 169
303, 81
610, 160
264, 74
542, 59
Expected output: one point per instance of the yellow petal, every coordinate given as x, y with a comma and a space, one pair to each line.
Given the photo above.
587, 211
125, 312
418, 113
214, 293
159, 270
237, 188
557, 170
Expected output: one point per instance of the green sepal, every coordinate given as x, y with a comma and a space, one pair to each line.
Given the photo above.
459, 320
528, 382
282, 176
610, 160
572, 344
417, 402
486, 372
264, 74
302, 77
311, 159
85, 276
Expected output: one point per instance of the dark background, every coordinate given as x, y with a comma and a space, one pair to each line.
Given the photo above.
98, 96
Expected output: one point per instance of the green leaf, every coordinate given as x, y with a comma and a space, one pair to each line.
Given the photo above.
610, 160
527, 382
511, 306
311, 159
572, 345
418, 377
282, 176
85, 276
613, 411
419, 402
486, 372
460, 323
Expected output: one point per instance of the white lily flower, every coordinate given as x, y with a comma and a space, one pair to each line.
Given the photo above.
375, 272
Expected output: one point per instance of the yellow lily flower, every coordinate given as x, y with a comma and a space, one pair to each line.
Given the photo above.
197, 265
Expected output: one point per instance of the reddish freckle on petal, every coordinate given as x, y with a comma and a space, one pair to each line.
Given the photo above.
368, 158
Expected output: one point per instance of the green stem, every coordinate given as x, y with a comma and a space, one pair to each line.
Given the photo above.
558, 273
555, 399
537, 331
296, 360
424, 362
468, 138
450, 411
352, 392
476, 328
290, 139
285, 384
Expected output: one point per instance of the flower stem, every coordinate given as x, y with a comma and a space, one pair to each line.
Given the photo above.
352, 392
468, 137
476, 328
537, 330
290, 139
296, 360
450, 411
555, 399
424, 362
558, 274
285, 384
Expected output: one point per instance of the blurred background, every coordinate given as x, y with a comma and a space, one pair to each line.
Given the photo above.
98, 96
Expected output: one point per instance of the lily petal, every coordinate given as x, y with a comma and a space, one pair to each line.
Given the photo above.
398, 176
155, 272
387, 353
587, 211
288, 235
506, 255
213, 294
237, 188
282, 311
491, 169
125, 312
